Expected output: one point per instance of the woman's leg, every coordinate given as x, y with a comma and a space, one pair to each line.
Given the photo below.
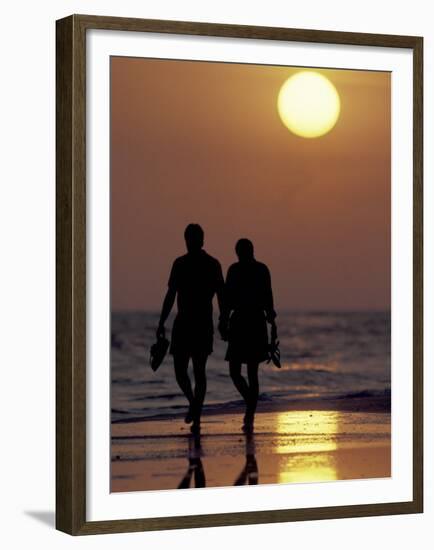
243, 388
252, 373
238, 380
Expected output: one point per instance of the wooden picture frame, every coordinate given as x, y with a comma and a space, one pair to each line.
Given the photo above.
71, 274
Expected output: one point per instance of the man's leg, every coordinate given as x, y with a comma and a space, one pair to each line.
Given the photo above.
180, 362
199, 366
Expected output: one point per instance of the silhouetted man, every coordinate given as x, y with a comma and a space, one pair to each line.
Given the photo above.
195, 278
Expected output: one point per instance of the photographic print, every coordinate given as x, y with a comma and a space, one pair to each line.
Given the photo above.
239, 274
250, 274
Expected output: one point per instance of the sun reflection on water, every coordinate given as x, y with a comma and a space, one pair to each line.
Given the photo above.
306, 441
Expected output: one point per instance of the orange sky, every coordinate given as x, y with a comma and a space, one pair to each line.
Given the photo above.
203, 142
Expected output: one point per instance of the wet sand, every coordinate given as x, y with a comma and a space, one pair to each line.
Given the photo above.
304, 443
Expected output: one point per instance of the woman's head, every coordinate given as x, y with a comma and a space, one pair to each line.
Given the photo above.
244, 250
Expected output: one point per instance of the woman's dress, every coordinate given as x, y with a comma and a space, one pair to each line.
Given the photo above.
249, 302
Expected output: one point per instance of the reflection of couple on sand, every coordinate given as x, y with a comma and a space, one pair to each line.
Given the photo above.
196, 473
246, 304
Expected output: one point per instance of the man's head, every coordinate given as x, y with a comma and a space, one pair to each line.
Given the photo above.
193, 235
244, 250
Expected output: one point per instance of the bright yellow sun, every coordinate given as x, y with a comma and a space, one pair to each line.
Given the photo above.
308, 104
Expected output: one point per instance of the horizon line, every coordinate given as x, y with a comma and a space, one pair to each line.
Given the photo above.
282, 310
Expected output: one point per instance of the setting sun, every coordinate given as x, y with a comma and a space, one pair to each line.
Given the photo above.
308, 104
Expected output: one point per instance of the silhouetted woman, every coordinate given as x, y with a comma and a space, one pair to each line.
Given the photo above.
249, 304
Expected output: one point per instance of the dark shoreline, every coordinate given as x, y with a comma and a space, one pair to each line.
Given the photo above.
349, 403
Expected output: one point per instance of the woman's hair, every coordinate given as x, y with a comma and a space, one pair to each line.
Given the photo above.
244, 249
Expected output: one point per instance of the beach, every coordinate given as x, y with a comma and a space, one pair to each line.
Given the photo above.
324, 415
310, 440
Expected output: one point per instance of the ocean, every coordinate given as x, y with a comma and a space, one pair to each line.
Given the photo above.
323, 354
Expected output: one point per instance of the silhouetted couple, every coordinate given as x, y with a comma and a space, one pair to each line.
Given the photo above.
245, 302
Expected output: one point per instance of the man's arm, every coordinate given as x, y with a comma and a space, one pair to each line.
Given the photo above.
220, 291
269, 302
221, 300
169, 299
168, 302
